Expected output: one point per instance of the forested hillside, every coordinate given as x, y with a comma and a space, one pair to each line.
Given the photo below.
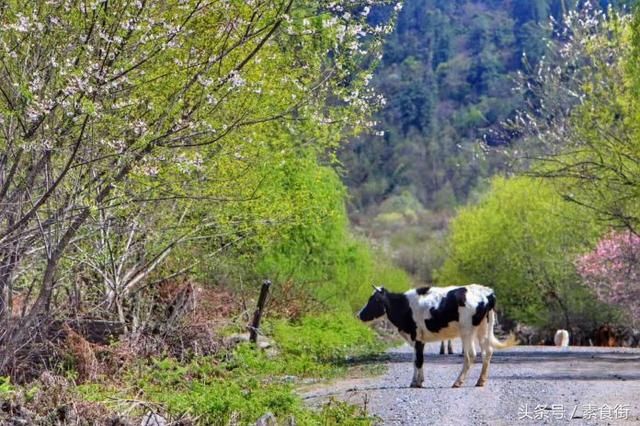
447, 75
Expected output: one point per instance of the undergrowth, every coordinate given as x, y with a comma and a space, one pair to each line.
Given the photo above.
316, 336
240, 386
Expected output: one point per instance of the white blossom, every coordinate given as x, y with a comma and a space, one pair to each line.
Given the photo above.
236, 79
139, 127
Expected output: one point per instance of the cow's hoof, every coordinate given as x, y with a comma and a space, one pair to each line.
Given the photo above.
415, 385
480, 383
456, 385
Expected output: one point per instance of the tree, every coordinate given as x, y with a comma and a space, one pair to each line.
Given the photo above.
522, 239
111, 104
611, 270
580, 128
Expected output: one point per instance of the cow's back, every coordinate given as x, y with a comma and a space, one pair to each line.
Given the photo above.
439, 312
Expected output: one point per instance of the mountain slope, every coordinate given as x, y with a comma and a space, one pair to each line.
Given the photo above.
446, 74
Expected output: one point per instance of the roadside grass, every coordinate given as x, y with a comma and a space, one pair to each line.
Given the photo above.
240, 386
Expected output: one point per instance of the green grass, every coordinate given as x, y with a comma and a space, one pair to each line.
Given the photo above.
327, 338
5, 385
247, 383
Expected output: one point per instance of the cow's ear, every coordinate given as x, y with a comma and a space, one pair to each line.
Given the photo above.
383, 290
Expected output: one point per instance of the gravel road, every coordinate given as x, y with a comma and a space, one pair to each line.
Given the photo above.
528, 385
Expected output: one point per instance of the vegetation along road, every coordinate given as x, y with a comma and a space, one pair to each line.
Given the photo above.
527, 385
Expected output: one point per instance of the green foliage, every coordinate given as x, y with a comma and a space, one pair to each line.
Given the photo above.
227, 158
97, 392
314, 199
605, 143
248, 383
582, 131
582, 127
405, 203
419, 249
165, 170
412, 236
447, 74
5, 385
522, 239
216, 403
361, 268
341, 413
634, 58
313, 246
328, 338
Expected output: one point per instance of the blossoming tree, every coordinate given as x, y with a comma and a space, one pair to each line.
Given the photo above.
108, 107
612, 271
579, 129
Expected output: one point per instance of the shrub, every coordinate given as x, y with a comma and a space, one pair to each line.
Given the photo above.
246, 383
332, 337
521, 239
612, 271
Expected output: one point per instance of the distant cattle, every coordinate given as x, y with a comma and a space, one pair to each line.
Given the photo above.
561, 338
449, 347
429, 314
605, 335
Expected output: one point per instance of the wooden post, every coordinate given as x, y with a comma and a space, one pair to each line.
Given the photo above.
255, 324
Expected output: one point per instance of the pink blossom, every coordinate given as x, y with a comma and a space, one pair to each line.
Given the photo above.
612, 270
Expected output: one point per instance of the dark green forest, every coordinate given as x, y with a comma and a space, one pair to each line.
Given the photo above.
447, 76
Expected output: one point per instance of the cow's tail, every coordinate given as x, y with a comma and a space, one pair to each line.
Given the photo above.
497, 344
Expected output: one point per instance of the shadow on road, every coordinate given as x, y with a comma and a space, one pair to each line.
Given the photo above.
575, 376
521, 357
583, 365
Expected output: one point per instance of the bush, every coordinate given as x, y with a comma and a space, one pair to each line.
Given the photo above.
521, 239
611, 271
331, 338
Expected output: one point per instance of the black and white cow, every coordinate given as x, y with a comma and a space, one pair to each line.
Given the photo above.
429, 314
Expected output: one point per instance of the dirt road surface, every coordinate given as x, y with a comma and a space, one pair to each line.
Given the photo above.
528, 385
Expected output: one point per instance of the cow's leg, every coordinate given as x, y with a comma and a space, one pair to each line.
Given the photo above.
418, 374
487, 352
462, 344
469, 357
442, 347
449, 347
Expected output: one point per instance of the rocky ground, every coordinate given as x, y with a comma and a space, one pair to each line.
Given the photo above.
528, 385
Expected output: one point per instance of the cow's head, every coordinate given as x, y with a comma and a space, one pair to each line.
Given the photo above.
375, 306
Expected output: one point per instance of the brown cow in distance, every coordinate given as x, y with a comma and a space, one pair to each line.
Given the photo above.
605, 335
